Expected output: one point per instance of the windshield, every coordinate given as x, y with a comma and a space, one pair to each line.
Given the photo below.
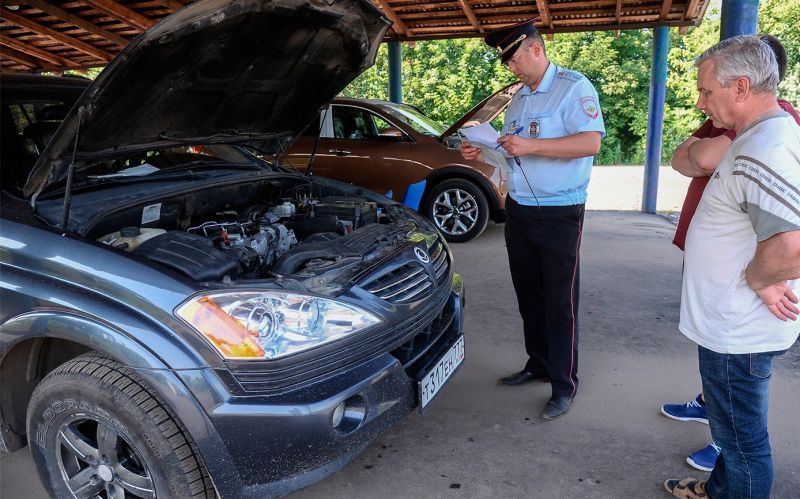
28, 123
32, 116
414, 118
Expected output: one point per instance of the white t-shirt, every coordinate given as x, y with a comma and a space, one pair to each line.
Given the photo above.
753, 195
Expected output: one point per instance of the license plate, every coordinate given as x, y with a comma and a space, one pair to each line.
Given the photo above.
435, 379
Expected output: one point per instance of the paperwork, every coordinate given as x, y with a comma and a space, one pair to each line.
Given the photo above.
483, 133
485, 137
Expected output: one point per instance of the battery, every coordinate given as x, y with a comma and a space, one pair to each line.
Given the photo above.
356, 211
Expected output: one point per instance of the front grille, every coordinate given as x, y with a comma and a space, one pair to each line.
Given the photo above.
438, 333
439, 260
402, 285
411, 282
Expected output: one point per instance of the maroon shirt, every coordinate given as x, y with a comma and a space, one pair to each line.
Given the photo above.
698, 184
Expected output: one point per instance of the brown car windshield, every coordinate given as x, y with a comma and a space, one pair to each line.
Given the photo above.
28, 124
414, 118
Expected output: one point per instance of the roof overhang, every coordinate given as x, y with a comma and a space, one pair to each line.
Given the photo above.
57, 35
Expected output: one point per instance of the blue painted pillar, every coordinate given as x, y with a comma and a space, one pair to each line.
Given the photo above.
655, 117
395, 72
739, 17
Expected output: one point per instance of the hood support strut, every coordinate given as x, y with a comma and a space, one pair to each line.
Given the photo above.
316, 141
71, 173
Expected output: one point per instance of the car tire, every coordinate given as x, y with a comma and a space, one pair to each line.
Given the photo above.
96, 429
458, 208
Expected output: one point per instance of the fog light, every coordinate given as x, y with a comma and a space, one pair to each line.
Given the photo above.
349, 415
338, 414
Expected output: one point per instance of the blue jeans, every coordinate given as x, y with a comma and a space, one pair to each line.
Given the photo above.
736, 390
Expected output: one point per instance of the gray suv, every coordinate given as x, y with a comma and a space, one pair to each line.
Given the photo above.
182, 318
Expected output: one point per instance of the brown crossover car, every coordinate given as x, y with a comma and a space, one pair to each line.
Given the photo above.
394, 149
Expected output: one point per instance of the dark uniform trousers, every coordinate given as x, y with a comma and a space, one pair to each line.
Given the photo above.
543, 253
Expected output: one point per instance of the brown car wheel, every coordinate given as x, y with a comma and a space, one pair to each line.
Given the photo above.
459, 210
96, 429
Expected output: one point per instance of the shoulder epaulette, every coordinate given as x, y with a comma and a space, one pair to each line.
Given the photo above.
568, 75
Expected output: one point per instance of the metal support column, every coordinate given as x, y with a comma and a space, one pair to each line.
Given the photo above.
395, 72
655, 118
739, 17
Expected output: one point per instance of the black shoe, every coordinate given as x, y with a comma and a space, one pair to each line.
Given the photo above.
523, 377
556, 407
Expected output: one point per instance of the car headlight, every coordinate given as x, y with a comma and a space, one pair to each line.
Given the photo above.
271, 324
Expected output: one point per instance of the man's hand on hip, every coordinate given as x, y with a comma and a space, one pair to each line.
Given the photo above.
781, 301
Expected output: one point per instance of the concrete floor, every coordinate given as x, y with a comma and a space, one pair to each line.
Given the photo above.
482, 440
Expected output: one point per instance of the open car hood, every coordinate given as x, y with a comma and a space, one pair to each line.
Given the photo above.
486, 110
236, 71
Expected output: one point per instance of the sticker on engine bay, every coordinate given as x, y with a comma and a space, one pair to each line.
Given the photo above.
151, 213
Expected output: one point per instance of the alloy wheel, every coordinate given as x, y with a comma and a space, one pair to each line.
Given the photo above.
97, 461
455, 211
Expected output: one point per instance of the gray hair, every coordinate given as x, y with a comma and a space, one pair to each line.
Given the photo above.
745, 56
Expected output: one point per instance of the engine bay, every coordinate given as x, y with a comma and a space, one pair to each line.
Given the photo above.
312, 235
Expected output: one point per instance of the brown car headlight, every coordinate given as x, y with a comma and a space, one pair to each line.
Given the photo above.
271, 324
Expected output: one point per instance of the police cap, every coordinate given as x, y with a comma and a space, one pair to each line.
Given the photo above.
506, 40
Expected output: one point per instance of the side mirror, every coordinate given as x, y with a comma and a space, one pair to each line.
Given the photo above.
390, 132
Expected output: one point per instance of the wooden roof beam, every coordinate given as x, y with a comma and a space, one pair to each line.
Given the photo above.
123, 13
473, 19
80, 22
580, 5
665, 8
36, 52
25, 60
399, 26
618, 10
627, 20
437, 33
171, 5
691, 8
544, 13
57, 35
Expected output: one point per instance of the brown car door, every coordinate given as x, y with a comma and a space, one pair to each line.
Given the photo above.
360, 154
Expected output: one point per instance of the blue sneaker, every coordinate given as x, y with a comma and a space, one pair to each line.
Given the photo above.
694, 410
705, 458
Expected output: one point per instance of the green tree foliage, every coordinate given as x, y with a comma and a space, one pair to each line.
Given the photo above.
445, 78
782, 19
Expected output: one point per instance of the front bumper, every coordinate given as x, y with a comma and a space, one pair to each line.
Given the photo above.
281, 443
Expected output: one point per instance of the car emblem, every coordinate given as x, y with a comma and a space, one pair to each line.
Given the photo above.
421, 255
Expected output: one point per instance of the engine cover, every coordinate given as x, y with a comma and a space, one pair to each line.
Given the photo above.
190, 254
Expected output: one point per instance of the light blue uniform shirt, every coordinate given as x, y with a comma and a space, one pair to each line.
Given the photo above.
565, 103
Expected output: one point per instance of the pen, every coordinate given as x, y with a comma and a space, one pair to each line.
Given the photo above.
515, 132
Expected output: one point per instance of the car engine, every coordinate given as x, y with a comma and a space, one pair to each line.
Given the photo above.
296, 238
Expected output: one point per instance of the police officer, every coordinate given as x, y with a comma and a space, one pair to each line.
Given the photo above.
552, 130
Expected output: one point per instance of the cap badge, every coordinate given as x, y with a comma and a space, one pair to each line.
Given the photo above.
511, 45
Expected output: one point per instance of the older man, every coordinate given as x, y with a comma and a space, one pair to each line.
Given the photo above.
742, 264
698, 157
